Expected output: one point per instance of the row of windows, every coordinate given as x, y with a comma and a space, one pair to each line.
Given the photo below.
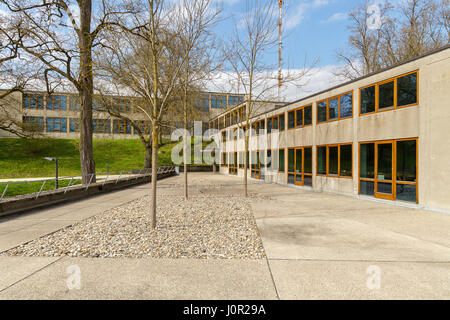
60, 103
335, 160
397, 92
56, 124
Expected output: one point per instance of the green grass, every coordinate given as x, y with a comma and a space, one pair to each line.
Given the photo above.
31, 187
23, 158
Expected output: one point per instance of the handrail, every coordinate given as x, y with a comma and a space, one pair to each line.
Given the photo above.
122, 175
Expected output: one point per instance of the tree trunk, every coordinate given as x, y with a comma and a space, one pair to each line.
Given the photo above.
154, 175
185, 155
86, 92
148, 156
245, 163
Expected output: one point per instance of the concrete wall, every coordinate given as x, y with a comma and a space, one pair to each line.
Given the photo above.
429, 121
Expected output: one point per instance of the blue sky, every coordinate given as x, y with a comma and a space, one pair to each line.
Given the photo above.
312, 27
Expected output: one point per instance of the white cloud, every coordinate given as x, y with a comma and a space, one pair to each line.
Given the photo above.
295, 16
336, 17
318, 79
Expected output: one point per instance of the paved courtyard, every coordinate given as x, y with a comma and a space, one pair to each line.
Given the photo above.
318, 246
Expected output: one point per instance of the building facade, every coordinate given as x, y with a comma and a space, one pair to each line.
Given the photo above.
384, 136
57, 115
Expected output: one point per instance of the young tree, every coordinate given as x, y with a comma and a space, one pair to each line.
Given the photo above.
253, 39
148, 62
61, 35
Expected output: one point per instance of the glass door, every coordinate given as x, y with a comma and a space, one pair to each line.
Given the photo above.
384, 170
299, 166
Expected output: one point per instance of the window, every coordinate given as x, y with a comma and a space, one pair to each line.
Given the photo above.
233, 163
257, 166
74, 103
33, 101
275, 123
235, 100
144, 126
56, 124
300, 166
336, 108
102, 126
390, 94
33, 123
281, 160
270, 165
122, 127
388, 169
121, 105
74, 125
367, 100
97, 105
224, 159
258, 127
300, 117
321, 160
202, 103
224, 136
56, 102
335, 160
218, 101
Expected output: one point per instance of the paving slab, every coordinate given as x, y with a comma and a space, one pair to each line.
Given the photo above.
360, 280
148, 279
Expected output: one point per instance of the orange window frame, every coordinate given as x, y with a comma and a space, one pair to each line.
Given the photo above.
394, 169
377, 91
327, 161
338, 97
302, 173
303, 116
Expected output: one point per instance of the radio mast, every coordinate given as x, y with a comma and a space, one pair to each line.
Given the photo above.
280, 44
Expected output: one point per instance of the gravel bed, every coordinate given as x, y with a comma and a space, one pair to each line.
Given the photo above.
205, 227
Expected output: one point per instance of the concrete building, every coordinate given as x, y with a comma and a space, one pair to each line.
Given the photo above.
56, 115
385, 135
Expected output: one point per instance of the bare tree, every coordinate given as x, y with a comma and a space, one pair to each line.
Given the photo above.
61, 35
148, 62
401, 32
254, 37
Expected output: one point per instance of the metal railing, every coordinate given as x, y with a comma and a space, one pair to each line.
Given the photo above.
102, 178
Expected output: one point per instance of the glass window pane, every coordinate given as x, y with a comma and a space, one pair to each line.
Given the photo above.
275, 123
346, 105
299, 117
322, 111
298, 178
281, 122
383, 187
406, 192
307, 181
367, 161
384, 161
269, 125
386, 95
307, 166
291, 160
345, 161
367, 188
333, 160
307, 115
368, 100
291, 178
291, 119
321, 160
407, 90
298, 160
281, 160
333, 109
406, 160
269, 159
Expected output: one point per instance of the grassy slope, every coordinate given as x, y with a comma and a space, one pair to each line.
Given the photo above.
24, 158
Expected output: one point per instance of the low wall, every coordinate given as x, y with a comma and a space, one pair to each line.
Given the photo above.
47, 198
198, 168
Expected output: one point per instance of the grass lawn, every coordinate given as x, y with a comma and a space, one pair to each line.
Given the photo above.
23, 158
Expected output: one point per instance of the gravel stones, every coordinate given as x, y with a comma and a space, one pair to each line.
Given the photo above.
204, 227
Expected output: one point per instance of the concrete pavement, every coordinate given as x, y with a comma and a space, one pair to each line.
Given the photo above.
318, 246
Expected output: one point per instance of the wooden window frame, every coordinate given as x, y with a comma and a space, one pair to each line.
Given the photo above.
302, 173
394, 181
377, 90
277, 117
232, 165
284, 163
33, 96
338, 97
257, 172
327, 161
303, 115
54, 120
